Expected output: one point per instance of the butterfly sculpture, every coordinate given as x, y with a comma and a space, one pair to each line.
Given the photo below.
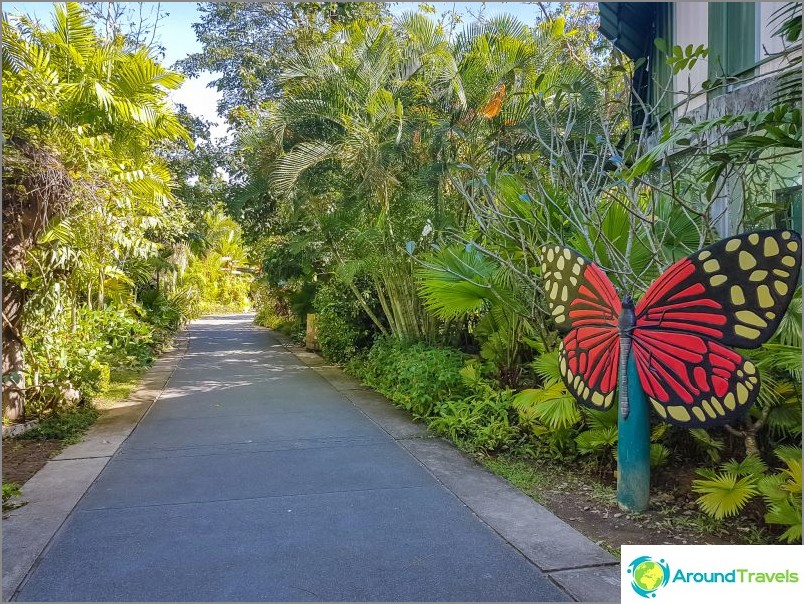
730, 294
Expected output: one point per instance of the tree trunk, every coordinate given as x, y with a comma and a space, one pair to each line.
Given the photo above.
36, 188
13, 361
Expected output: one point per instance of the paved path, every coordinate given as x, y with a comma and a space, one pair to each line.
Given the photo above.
254, 478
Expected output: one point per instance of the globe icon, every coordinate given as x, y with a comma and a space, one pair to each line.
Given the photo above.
648, 575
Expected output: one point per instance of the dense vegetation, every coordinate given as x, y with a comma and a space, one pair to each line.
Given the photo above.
105, 256
408, 172
397, 177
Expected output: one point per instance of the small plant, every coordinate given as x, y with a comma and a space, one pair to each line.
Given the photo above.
726, 492
481, 422
10, 489
782, 494
67, 425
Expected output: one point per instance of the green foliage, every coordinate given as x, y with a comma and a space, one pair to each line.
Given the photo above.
415, 376
10, 489
727, 491
782, 494
67, 425
343, 327
483, 421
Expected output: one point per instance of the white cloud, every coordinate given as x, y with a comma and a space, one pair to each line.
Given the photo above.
201, 101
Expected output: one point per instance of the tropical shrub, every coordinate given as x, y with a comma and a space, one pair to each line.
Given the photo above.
343, 327
727, 490
415, 376
484, 421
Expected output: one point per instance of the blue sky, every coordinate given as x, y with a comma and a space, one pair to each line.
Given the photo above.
179, 40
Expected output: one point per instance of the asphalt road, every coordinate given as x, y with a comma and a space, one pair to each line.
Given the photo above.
253, 478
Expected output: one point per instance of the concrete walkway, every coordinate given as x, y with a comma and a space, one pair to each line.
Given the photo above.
258, 477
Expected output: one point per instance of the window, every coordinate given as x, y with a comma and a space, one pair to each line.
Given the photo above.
788, 208
732, 38
662, 88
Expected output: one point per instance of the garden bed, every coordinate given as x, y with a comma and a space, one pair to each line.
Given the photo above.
589, 505
24, 458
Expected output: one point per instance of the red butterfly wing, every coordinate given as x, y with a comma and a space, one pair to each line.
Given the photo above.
583, 302
732, 293
692, 380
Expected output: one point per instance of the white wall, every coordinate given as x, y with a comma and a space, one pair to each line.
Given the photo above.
769, 44
691, 26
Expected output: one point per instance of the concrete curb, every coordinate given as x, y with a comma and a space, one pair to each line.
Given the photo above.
585, 571
53, 492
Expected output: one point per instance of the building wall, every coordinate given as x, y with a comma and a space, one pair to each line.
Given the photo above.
691, 26
769, 44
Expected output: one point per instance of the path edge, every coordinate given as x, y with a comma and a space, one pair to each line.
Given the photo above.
54, 491
592, 576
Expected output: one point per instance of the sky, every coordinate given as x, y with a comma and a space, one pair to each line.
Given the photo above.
178, 38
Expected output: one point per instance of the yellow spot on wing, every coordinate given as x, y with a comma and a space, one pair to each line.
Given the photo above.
780, 273
733, 245
679, 413
708, 408
749, 368
717, 406
751, 318
758, 275
659, 408
747, 332
792, 246
710, 266
753, 238
699, 414
781, 287
764, 296
704, 255
747, 261
742, 394
789, 261
786, 235
729, 401
771, 248
718, 280
737, 296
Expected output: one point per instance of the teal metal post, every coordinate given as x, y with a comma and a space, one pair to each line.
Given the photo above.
633, 447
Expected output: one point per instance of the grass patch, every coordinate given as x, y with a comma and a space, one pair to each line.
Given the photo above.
10, 489
122, 382
67, 425
521, 474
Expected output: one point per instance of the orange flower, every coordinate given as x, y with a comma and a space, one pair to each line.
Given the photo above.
492, 110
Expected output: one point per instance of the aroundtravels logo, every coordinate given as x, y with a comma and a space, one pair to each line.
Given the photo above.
677, 573
648, 575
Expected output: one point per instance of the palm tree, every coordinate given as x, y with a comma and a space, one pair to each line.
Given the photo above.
81, 117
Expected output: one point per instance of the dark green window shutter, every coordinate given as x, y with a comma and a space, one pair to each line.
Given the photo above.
662, 73
741, 45
732, 38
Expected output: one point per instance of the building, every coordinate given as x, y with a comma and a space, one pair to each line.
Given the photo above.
740, 74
